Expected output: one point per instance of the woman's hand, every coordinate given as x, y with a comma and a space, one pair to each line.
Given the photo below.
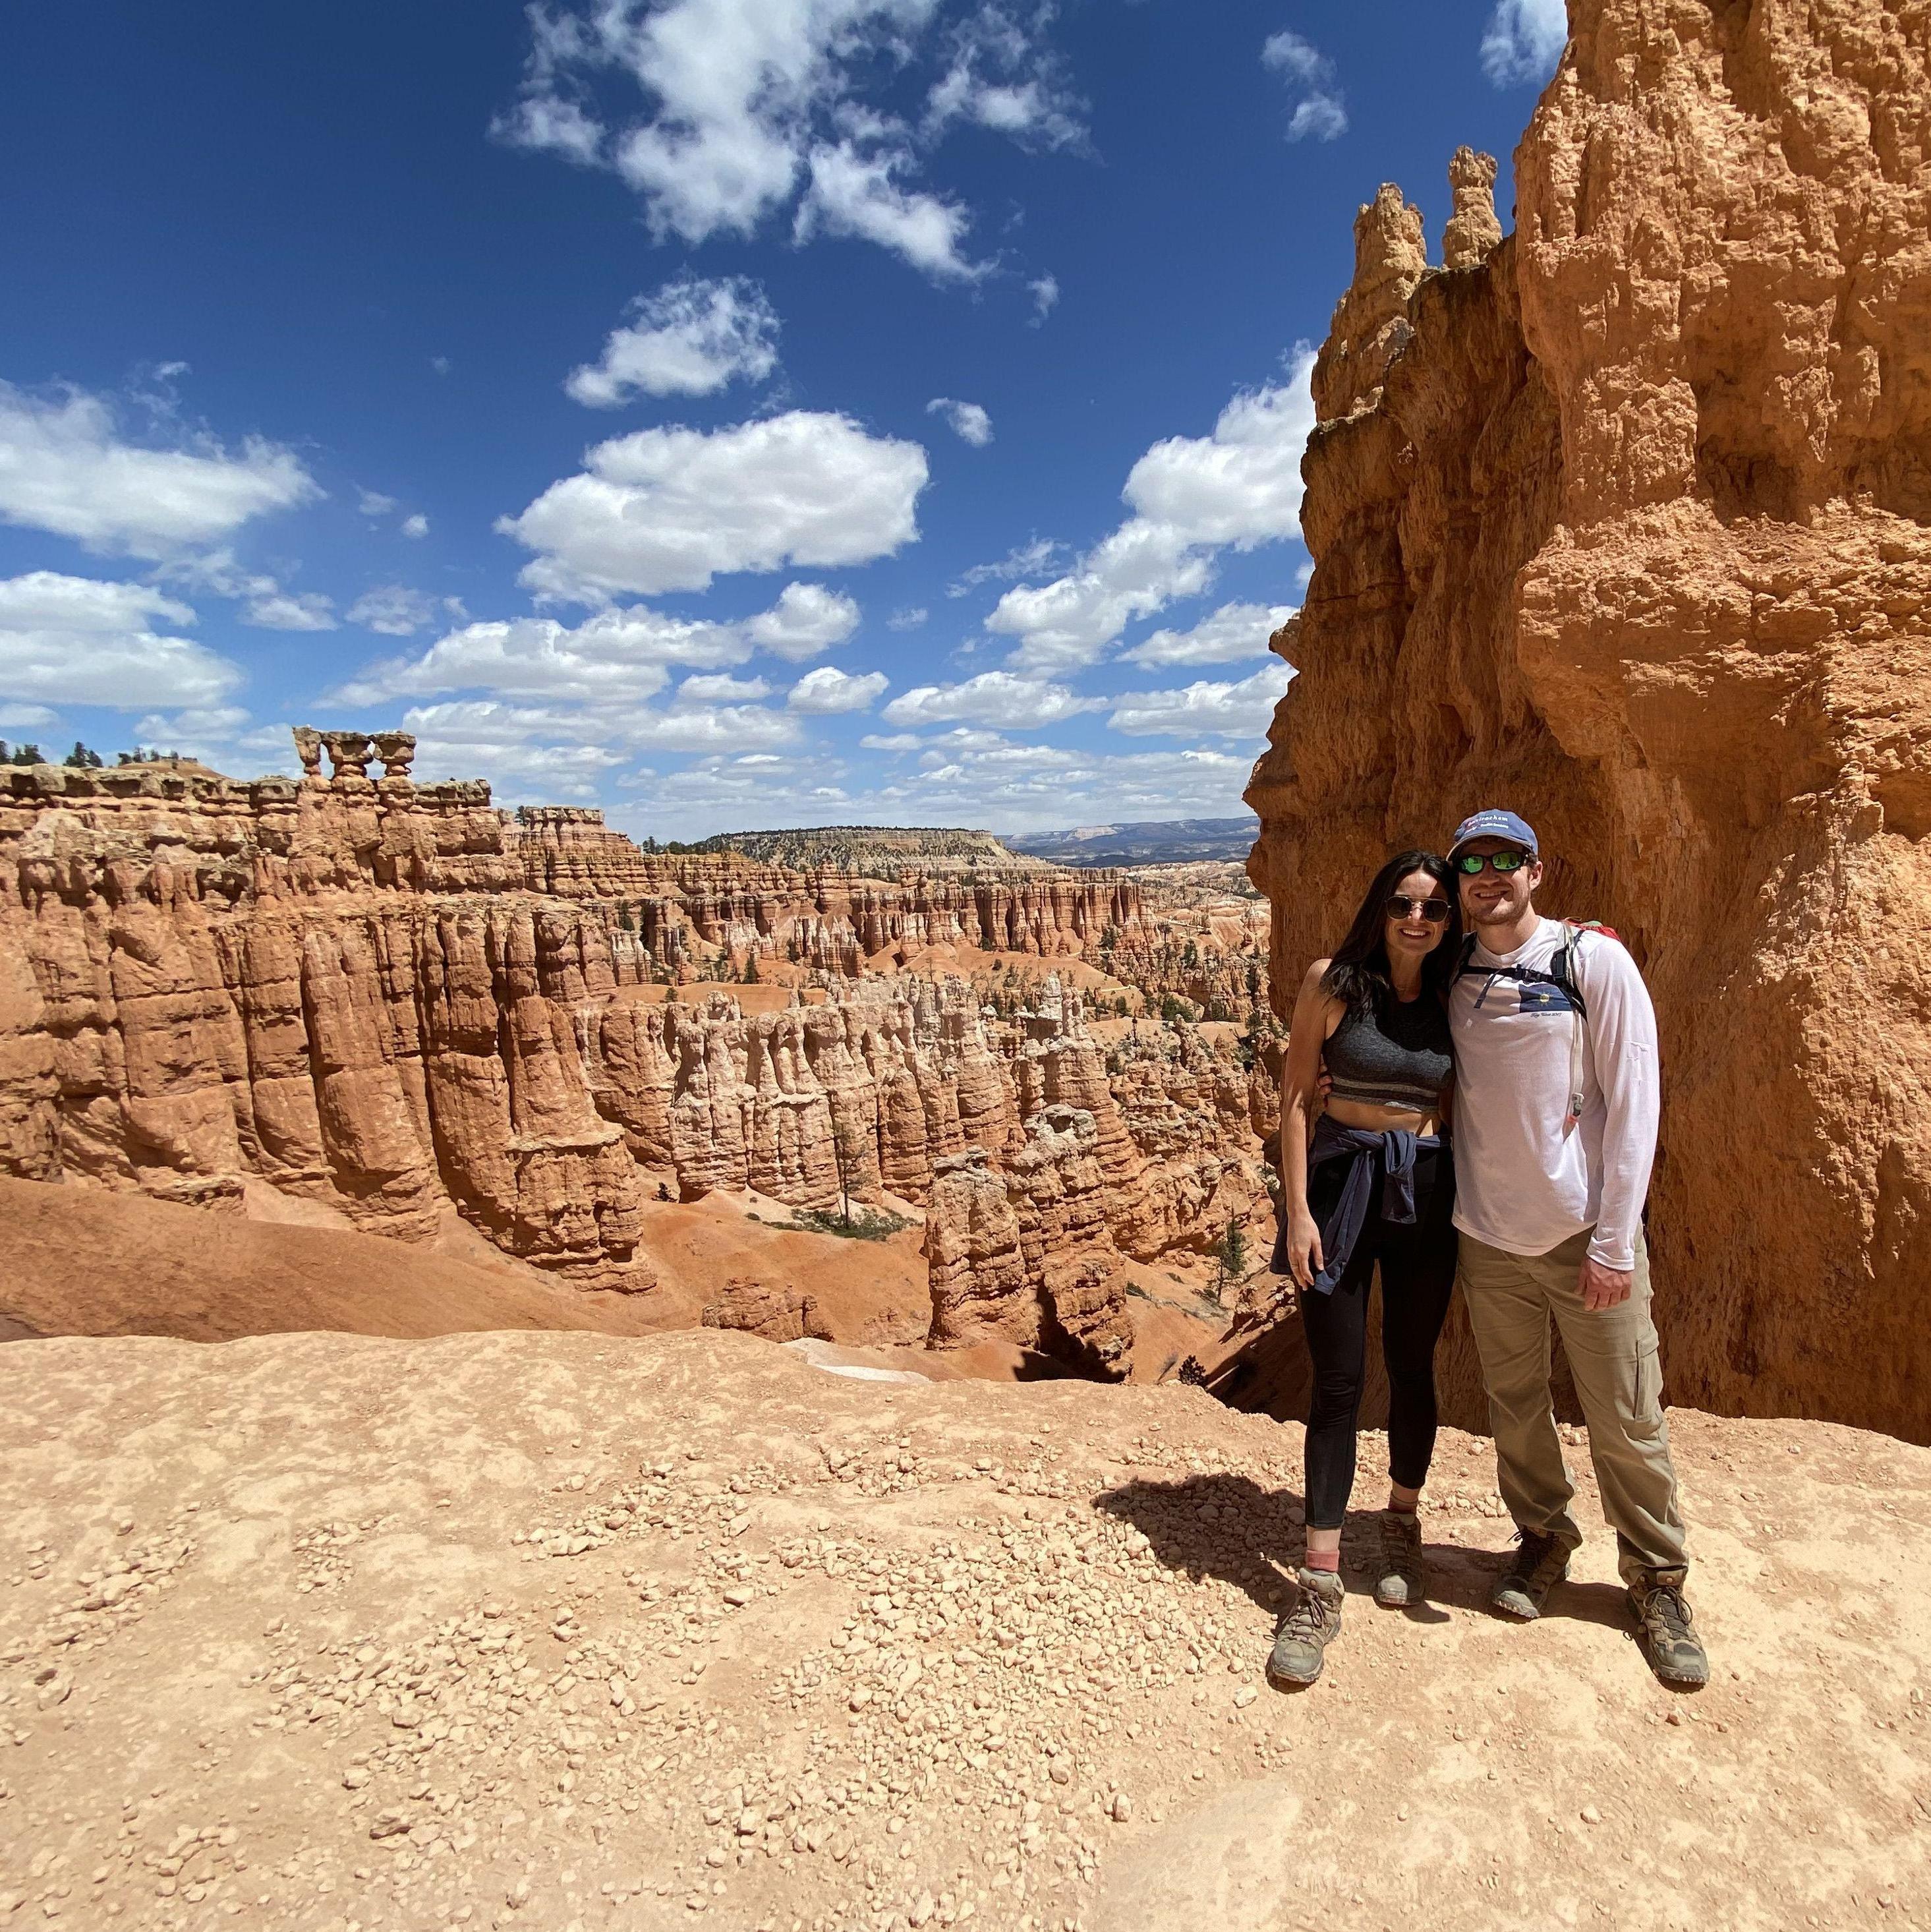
1304, 1255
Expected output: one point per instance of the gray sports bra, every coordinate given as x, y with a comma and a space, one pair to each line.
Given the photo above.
1397, 1057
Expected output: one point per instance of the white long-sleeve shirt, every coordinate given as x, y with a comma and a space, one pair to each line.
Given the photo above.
1521, 1184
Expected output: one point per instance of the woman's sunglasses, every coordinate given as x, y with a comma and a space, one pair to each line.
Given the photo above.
1434, 911
1470, 863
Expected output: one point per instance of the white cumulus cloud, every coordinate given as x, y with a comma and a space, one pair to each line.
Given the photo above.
721, 688
667, 509
807, 619
1319, 112
394, 609
829, 689
857, 191
1234, 631
65, 468
1242, 710
1523, 42
416, 526
568, 750
1192, 497
618, 654
1045, 298
690, 339
999, 697
279, 610
77, 641
745, 108
1002, 75
1032, 559
265, 603
967, 421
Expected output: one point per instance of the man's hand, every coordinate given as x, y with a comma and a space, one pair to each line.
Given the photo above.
1603, 1287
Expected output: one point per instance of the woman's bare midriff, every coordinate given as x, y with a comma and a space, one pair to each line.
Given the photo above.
1382, 1120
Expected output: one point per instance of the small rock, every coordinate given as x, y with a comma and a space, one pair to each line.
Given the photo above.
739, 1594
1122, 1810
355, 1778
389, 1824
1590, 1815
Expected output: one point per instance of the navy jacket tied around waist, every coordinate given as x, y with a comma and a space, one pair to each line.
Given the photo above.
1358, 1147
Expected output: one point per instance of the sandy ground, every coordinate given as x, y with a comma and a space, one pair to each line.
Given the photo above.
80, 1260
571, 1632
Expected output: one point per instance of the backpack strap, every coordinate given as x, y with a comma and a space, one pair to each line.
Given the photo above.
1561, 972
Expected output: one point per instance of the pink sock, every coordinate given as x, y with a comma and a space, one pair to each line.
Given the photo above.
1328, 1560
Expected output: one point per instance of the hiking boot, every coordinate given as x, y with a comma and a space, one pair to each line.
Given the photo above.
1540, 1562
1665, 1629
1308, 1629
1401, 1578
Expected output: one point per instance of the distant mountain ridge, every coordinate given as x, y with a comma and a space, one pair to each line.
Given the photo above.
873, 848
876, 849
1146, 842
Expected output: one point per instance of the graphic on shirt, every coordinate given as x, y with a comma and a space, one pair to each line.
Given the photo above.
1540, 995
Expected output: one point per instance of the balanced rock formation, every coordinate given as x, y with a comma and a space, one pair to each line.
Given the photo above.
1625, 523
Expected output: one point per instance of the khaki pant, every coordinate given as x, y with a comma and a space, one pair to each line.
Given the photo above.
1612, 1354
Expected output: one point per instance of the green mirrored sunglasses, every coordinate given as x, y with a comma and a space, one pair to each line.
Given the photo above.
1470, 863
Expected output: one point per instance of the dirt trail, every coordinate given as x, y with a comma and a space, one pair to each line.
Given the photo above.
572, 1632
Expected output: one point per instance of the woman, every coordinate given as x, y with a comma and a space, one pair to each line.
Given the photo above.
1378, 1185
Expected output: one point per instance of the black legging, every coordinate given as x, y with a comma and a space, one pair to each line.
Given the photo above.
1417, 1277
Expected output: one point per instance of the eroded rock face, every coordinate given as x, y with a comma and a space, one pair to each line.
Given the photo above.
1124, 1153
776, 1310
393, 999
1636, 538
1371, 321
1472, 230
1024, 1254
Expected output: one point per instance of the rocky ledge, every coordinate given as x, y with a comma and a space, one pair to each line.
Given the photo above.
526, 1631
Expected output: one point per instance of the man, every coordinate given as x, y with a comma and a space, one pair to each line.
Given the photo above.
1555, 1121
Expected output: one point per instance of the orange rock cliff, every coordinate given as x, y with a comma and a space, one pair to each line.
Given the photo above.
392, 998
1624, 521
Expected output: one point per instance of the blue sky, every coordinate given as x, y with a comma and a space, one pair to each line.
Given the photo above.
733, 412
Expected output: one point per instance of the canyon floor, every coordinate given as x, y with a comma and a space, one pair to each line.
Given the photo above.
571, 1631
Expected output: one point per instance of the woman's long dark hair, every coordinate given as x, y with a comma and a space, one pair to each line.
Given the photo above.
1358, 975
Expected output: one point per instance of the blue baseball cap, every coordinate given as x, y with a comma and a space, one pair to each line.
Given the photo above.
1496, 824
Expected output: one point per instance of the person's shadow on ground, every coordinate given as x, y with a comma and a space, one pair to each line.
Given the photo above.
1228, 1526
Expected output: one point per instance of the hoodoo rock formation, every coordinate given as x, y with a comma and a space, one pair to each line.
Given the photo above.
1625, 521
1121, 1155
393, 998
